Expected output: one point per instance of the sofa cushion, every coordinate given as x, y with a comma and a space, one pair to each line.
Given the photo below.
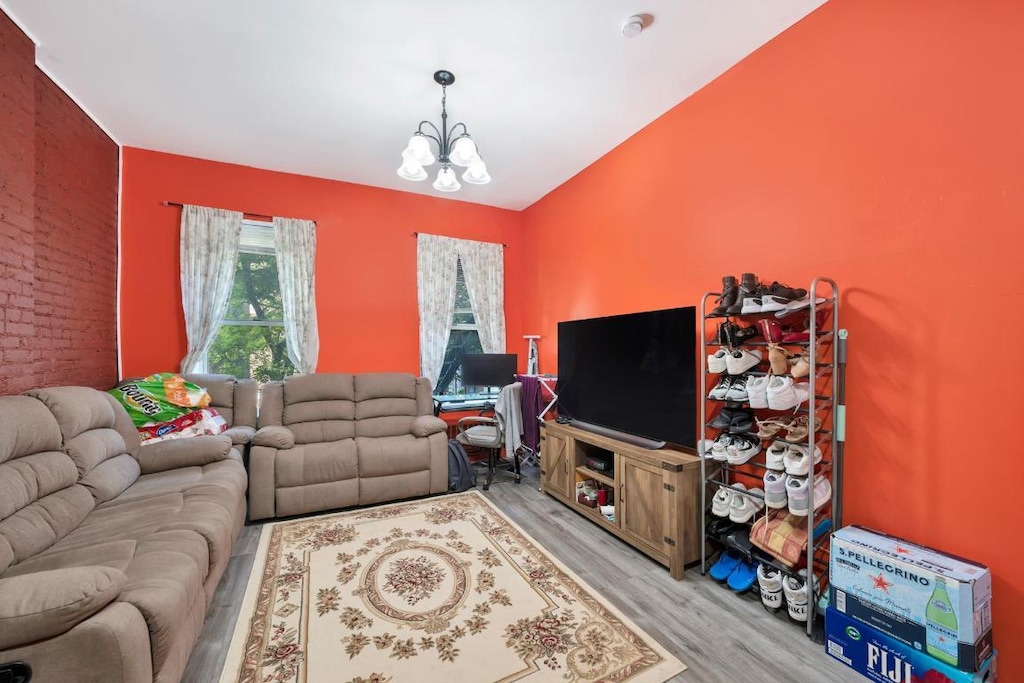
316, 463
47, 604
386, 455
319, 408
87, 423
40, 501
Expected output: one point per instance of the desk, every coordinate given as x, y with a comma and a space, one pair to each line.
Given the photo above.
460, 403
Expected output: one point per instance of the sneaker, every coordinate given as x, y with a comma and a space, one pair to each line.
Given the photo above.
798, 305
716, 361
742, 449
722, 419
796, 493
741, 360
769, 580
757, 391
752, 301
721, 504
822, 495
795, 590
744, 507
737, 390
719, 391
720, 446
775, 495
780, 393
775, 456
748, 287
802, 391
775, 297
798, 461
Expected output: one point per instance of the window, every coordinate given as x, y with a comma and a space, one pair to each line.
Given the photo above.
464, 339
250, 342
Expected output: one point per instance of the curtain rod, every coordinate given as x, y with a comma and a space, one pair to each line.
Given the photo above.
246, 213
416, 234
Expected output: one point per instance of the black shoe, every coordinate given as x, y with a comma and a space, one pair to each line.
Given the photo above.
723, 419
736, 335
741, 421
748, 289
730, 289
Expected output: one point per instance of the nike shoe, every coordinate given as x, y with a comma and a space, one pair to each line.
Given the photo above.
795, 590
742, 449
774, 458
769, 580
719, 391
744, 507
798, 461
720, 447
776, 296
752, 301
721, 504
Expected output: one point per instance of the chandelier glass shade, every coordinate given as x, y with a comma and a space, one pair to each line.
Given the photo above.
454, 147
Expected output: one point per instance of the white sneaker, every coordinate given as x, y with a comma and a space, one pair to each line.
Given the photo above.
775, 495
799, 304
742, 449
741, 360
798, 494
722, 502
780, 394
774, 458
751, 304
802, 391
719, 390
795, 589
769, 580
737, 389
757, 391
720, 447
798, 461
716, 361
744, 507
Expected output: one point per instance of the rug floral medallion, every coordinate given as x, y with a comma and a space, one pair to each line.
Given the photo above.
443, 589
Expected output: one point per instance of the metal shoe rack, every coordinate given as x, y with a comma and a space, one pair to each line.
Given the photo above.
827, 350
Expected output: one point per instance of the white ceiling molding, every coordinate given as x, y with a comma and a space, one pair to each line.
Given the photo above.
335, 89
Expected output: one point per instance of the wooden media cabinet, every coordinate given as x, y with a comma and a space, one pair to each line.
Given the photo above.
656, 493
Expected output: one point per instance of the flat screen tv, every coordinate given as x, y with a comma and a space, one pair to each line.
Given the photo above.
633, 373
488, 369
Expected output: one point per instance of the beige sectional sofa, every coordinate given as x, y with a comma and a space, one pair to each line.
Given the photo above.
109, 552
330, 441
236, 400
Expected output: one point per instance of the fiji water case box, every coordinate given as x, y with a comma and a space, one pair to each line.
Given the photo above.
933, 602
880, 658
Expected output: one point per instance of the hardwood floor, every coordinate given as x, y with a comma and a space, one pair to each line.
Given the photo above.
721, 637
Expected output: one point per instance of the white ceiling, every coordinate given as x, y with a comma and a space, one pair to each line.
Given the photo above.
334, 88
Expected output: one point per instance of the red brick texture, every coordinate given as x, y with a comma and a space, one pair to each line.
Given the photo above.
58, 231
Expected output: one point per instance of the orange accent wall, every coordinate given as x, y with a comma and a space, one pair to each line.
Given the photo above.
366, 257
881, 143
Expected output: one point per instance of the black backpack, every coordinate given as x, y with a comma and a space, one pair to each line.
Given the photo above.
461, 475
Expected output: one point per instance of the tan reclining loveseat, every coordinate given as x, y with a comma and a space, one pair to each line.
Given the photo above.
109, 552
330, 441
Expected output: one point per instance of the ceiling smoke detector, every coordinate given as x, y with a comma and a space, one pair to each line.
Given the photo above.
633, 27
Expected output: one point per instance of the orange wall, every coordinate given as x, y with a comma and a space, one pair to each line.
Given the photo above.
881, 143
366, 257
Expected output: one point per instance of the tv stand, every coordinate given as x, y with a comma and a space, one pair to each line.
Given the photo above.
625, 437
656, 493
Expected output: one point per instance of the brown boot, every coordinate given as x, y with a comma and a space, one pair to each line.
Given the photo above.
728, 297
748, 288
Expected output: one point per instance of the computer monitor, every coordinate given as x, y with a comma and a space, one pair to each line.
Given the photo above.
488, 369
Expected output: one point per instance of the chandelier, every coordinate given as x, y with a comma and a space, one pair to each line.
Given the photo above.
454, 147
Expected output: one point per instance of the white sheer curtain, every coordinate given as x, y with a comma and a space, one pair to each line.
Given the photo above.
483, 266
209, 250
437, 261
295, 244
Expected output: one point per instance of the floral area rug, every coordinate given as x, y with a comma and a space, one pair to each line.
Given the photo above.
443, 589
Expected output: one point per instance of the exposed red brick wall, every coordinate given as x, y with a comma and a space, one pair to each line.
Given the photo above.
58, 231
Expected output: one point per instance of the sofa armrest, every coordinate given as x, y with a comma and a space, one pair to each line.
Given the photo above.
46, 604
425, 425
190, 451
240, 435
274, 437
